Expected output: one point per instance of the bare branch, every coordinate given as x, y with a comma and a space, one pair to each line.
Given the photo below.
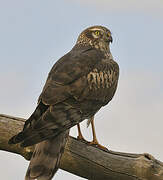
87, 161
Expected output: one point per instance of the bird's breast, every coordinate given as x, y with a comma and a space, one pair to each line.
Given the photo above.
98, 79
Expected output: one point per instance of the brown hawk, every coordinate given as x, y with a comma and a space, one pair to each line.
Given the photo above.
78, 85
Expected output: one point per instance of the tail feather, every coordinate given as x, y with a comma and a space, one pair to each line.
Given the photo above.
46, 157
48, 129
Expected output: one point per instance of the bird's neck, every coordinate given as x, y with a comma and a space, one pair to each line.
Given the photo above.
102, 46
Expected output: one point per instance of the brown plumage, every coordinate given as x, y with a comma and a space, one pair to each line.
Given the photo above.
78, 85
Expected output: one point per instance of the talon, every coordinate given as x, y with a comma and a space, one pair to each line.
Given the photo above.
81, 138
96, 144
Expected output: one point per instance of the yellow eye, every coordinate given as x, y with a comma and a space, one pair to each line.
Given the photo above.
109, 34
97, 33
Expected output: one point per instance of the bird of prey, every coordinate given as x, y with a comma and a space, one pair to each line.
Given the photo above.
78, 85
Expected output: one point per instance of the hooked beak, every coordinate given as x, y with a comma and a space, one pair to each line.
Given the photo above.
110, 39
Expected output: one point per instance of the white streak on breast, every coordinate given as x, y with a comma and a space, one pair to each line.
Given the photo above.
89, 80
106, 80
110, 79
100, 79
92, 79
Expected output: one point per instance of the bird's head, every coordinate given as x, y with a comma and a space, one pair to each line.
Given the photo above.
96, 36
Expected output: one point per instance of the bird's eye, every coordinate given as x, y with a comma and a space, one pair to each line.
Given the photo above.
109, 34
97, 33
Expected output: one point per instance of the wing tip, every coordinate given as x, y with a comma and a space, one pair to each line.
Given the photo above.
16, 139
11, 140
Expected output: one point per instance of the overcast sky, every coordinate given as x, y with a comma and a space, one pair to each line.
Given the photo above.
34, 34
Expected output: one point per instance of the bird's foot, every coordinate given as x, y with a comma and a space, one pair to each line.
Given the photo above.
96, 144
81, 138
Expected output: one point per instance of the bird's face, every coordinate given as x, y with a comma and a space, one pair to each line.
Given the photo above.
100, 34
96, 36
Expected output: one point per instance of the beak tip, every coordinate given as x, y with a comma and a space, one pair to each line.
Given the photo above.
111, 39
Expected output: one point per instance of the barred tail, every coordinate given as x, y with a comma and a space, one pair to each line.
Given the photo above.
46, 157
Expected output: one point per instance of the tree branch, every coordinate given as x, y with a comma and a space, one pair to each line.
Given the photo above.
87, 161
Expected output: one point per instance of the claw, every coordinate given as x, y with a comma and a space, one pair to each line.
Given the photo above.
96, 144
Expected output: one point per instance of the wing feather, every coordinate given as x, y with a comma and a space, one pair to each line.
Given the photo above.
65, 72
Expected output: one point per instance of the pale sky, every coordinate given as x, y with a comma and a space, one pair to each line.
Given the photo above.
34, 34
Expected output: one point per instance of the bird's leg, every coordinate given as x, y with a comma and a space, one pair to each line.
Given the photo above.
95, 141
80, 136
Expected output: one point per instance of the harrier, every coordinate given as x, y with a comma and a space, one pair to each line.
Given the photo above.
78, 85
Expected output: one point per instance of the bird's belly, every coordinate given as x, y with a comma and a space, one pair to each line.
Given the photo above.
101, 85
100, 95
94, 100
93, 91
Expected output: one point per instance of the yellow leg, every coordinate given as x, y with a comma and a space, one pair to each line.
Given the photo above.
95, 141
80, 136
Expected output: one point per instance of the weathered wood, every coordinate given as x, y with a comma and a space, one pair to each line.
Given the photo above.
86, 161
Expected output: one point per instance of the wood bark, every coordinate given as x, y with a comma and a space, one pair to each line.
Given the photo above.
87, 161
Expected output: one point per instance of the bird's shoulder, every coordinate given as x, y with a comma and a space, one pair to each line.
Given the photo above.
74, 64
105, 71
99, 83
68, 69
